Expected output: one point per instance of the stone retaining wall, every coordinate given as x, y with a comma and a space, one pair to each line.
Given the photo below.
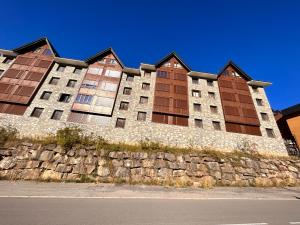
51, 162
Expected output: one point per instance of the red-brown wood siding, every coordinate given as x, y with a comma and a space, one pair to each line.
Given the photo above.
238, 107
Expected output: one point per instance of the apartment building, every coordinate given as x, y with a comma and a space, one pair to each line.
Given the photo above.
166, 102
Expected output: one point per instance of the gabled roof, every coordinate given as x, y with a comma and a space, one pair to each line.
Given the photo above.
169, 56
36, 43
238, 69
102, 54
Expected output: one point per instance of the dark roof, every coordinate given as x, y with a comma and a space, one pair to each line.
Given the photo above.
102, 54
36, 43
291, 110
238, 69
172, 54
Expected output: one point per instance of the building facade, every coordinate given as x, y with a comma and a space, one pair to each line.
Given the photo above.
166, 102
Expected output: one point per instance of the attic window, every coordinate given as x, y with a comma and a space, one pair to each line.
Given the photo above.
112, 61
167, 64
235, 74
47, 52
177, 65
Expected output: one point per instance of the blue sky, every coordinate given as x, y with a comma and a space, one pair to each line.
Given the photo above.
262, 37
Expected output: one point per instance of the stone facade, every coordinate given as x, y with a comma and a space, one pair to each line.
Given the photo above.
135, 130
51, 162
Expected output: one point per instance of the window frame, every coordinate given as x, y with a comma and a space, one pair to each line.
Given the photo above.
39, 111
145, 86
64, 96
69, 81
124, 105
127, 89
218, 124
58, 69
195, 105
143, 118
44, 93
52, 79
120, 123
198, 123
54, 114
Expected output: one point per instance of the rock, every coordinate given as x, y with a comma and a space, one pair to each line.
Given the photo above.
103, 171
59, 158
213, 166
102, 162
228, 176
132, 163
46, 156
117, 163
4, 152
293, 169
50, 147
33, 164
195, 160
137, 172
79, 169
34, 154
21, 164
170, 157
113, 155
71, 153
59, 149
139, 155
73, 177
63, 168
187, 158
206, 182
160, 155
164, 172
122, 172
90, 160
227, 168
216, 174
82, 152
52, 175
148, 163
90, 169
74, 161
179, 173
7, 163
31, 174
202, 167
159, 164
149, 172
173, 165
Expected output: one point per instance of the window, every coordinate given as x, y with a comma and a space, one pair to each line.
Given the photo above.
108, 86
84, 99
64, 98
141, 116
255, 89
143, 100
129, 77
46, 95
259, 102
36, 112
210, 83
264, 116
7, 60
197, 107
146, 86
167, 64
104, 101
56, 114
177, 65
120, 122
89, 84
213, 109
147, 74
162, 74
195, 80
54, 80
71, 83
1, 72
95, 70
216, 125
196, 93
198, 123
77, 70
127, 91
112, 73
270, 132
61, 68
212, 95
112, 61
124, 105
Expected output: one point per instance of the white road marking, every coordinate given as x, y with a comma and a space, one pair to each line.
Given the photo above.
246, 224
294, 222
142, 197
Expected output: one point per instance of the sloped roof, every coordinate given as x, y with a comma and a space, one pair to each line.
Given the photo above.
36, 43
291, 110
102, 54
237, 68
169, 56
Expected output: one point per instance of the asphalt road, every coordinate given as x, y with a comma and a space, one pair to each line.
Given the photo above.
30, 203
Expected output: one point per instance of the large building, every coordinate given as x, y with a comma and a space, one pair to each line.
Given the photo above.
166, 102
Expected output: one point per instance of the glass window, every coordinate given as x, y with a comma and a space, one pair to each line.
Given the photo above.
61, 68
143, 100
127, 91
255, 89
195, 80
212, 95
71, 83
89, 84
36, 112
210, 83
197, 107
167, 64
146, 86
54, 80
56, 114
162, 74
198, 123
216, 125
147, 74
7, 60
84, 99
112, 61
141, 116
259, 102
46, 95
264, 116
64, 98
213, 109
104, 101
108, 86
177, 65
270, 132
95, 70
77, 70
120, 122
196, 93
112, 73
129, 77
124, 105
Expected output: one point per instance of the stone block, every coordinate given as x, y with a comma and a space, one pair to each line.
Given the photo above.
103, 171
213, 166
148, 163
170, 157
7, 163
52, 175
33, 164
46, 156
164, 172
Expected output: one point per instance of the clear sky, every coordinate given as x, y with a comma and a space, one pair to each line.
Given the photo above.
262, 37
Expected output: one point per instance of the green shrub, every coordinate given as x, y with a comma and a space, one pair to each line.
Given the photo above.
7, 134
69, 137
